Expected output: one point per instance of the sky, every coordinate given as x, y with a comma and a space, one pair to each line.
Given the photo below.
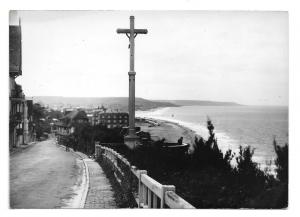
196, 55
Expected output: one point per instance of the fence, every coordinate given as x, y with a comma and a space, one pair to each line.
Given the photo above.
147, 192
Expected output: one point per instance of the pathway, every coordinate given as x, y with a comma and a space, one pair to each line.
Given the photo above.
100, 194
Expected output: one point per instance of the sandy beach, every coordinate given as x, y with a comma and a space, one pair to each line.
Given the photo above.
170, 131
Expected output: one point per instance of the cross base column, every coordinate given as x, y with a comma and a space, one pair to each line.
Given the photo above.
132, 141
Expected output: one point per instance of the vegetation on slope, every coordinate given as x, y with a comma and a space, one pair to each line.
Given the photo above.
207, 179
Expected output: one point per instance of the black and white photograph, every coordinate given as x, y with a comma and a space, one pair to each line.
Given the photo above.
148, 109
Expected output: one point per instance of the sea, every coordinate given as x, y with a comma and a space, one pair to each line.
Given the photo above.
235, 126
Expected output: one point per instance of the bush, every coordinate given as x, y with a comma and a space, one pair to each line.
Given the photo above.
207, 153
245, 164
84, 137
281, 161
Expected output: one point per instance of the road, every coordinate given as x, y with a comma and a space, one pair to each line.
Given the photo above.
44, 175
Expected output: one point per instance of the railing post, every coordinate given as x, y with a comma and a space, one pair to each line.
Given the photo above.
164, 189
145, 192
131, 177
97, 149
154, 201
141, 172
149, 198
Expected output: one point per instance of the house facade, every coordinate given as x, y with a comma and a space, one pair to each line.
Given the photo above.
114, 120
67, 124
21, 127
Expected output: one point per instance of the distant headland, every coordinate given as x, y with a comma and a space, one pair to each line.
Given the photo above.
198, 102
120, 103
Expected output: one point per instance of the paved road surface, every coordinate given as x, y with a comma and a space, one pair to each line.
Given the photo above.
43, 176
100, 195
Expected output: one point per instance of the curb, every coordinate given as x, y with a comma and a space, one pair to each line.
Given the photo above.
86, 189
87, 180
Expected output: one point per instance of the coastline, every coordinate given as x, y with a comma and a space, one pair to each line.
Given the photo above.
172, 130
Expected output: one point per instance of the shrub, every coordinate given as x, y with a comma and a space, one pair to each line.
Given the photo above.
281, 161
84, 137
245, 164
207, 153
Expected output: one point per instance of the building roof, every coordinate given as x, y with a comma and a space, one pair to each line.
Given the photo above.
15, 49
114, 113
76, 114
60, 124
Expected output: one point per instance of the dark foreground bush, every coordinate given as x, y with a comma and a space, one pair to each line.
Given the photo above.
281, 161
84, 137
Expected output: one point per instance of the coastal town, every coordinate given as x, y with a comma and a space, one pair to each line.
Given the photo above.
75, 152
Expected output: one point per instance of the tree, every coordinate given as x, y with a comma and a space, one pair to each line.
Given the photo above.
245, 164
54, 114
207, 153
38, 114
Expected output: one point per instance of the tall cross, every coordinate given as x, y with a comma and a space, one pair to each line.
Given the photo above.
131, 34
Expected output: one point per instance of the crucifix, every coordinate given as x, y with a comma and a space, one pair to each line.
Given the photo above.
131, 139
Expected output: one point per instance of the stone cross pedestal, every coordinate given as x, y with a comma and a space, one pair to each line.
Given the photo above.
131, 140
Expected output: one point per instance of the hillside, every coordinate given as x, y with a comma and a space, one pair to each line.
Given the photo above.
120, 103
198, 102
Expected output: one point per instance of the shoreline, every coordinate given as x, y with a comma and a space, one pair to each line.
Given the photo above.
188, 133
177, 130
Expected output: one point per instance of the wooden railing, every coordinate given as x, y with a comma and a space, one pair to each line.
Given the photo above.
147, 192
